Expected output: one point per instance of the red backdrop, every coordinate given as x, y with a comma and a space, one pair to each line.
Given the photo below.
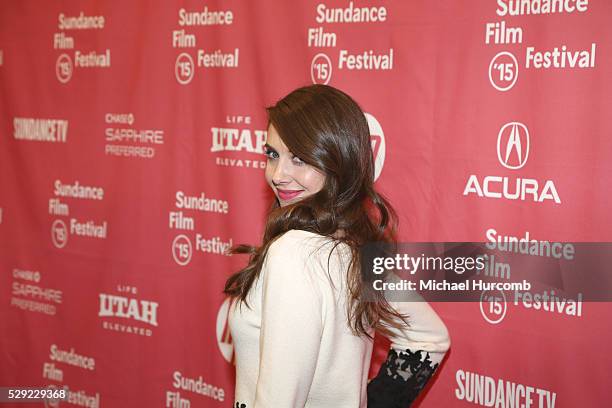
130, 158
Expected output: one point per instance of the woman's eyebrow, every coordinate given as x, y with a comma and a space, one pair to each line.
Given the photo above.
267, 146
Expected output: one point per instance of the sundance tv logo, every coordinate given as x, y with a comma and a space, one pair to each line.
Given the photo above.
377, 137
513, 143
224, 337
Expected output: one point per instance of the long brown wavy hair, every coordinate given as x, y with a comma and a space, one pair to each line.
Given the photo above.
327, 129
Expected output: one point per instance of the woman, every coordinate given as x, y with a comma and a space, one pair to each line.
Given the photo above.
303, 315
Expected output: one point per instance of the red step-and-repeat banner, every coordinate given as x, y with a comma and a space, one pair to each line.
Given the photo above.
131, 137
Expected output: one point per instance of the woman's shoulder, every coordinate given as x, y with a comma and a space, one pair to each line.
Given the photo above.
296, 233
296, 238
301, 243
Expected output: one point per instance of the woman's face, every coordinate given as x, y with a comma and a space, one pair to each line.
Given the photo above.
289, 177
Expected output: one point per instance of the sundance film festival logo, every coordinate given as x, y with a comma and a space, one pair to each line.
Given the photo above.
321, 69
513, 143
493, 306
69, 397
182, 250
503, 71
64, 68
184, 68
59, 233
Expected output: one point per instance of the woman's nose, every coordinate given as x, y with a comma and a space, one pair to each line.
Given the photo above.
281, 174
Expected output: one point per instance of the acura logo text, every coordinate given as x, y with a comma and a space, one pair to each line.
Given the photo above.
513, 144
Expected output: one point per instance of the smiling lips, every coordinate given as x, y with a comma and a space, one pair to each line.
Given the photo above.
288, 194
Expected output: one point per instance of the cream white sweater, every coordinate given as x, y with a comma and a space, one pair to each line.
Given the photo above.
293, 345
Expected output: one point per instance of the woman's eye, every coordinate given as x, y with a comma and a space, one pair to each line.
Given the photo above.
298, 161
271, 154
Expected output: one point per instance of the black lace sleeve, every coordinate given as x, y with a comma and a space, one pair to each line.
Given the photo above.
400, 379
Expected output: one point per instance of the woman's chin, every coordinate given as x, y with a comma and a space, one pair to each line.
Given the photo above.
284, 203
